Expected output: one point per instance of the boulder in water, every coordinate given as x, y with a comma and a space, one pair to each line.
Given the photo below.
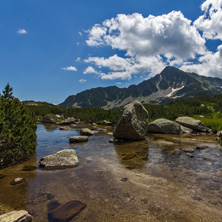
133, 122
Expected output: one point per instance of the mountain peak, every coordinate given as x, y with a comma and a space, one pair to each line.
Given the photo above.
170, 84
170, 69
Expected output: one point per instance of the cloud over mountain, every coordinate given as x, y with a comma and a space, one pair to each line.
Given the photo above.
211, 21
152, 42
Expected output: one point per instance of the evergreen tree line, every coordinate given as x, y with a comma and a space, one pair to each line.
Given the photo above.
187, 107
17, 129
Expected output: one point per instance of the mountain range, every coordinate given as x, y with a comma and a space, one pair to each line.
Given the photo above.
169, 85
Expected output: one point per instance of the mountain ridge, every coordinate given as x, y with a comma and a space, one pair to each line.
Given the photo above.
170, 84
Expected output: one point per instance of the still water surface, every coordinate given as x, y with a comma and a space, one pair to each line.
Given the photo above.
152, 180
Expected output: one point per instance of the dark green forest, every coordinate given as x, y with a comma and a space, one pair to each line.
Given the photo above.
17, 129
210, 107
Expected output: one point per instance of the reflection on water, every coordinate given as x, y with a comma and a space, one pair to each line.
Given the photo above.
132, 154
152, 180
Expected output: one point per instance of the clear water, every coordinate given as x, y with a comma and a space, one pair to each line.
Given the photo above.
152, 180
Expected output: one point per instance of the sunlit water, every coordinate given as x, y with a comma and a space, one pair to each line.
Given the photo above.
152, 180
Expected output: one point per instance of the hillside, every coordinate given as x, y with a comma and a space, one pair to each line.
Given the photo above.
163, 88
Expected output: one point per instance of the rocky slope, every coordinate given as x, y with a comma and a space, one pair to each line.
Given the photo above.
169, 85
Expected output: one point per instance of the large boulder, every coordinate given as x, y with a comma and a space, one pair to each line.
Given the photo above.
68, 121
50, 119
16, 216
192, 123
164, 126
86, 132
63, 159
133, 122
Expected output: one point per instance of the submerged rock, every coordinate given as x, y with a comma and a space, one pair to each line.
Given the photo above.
17, 181
66, 212
64, 128
42, 197
63, 159
164, 126
16, 216
133, 122
78, 139
86, 132
202, 147
192, 123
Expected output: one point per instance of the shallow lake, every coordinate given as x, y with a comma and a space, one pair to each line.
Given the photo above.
151, 180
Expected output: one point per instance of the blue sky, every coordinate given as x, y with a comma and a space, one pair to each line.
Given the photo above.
52, 49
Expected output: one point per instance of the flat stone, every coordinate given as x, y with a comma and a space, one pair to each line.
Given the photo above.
192, 123
188, 150
17, 181
66, 212
189, 155
78, 139
129, 156
164, 126
64, 128
2, 176
202, 147
28, 168
42, 198
16, 216
63, 159
99, 129
53, 205
86, 132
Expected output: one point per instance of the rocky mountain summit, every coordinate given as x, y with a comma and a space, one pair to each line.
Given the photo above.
163, 88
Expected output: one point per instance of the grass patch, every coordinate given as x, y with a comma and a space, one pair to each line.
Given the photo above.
212, 120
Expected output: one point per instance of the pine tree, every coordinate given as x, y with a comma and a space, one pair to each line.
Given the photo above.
17, 129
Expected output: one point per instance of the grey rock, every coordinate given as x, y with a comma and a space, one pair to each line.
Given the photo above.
17, 181
185, 129
133, 122
78, 139
50, 119
67, 212
99, 129
164, 126
219, 133
192, 123
68, 121
63, 159
189, 155
188, 150
64, 128
16, 216
106, 123
202, 147
86, 132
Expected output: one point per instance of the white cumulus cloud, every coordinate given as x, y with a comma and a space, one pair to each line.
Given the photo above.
150, 43
171, 35
70, 68
22, 31
124, 68
90, 69
211, 20
82, 80
208, 65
